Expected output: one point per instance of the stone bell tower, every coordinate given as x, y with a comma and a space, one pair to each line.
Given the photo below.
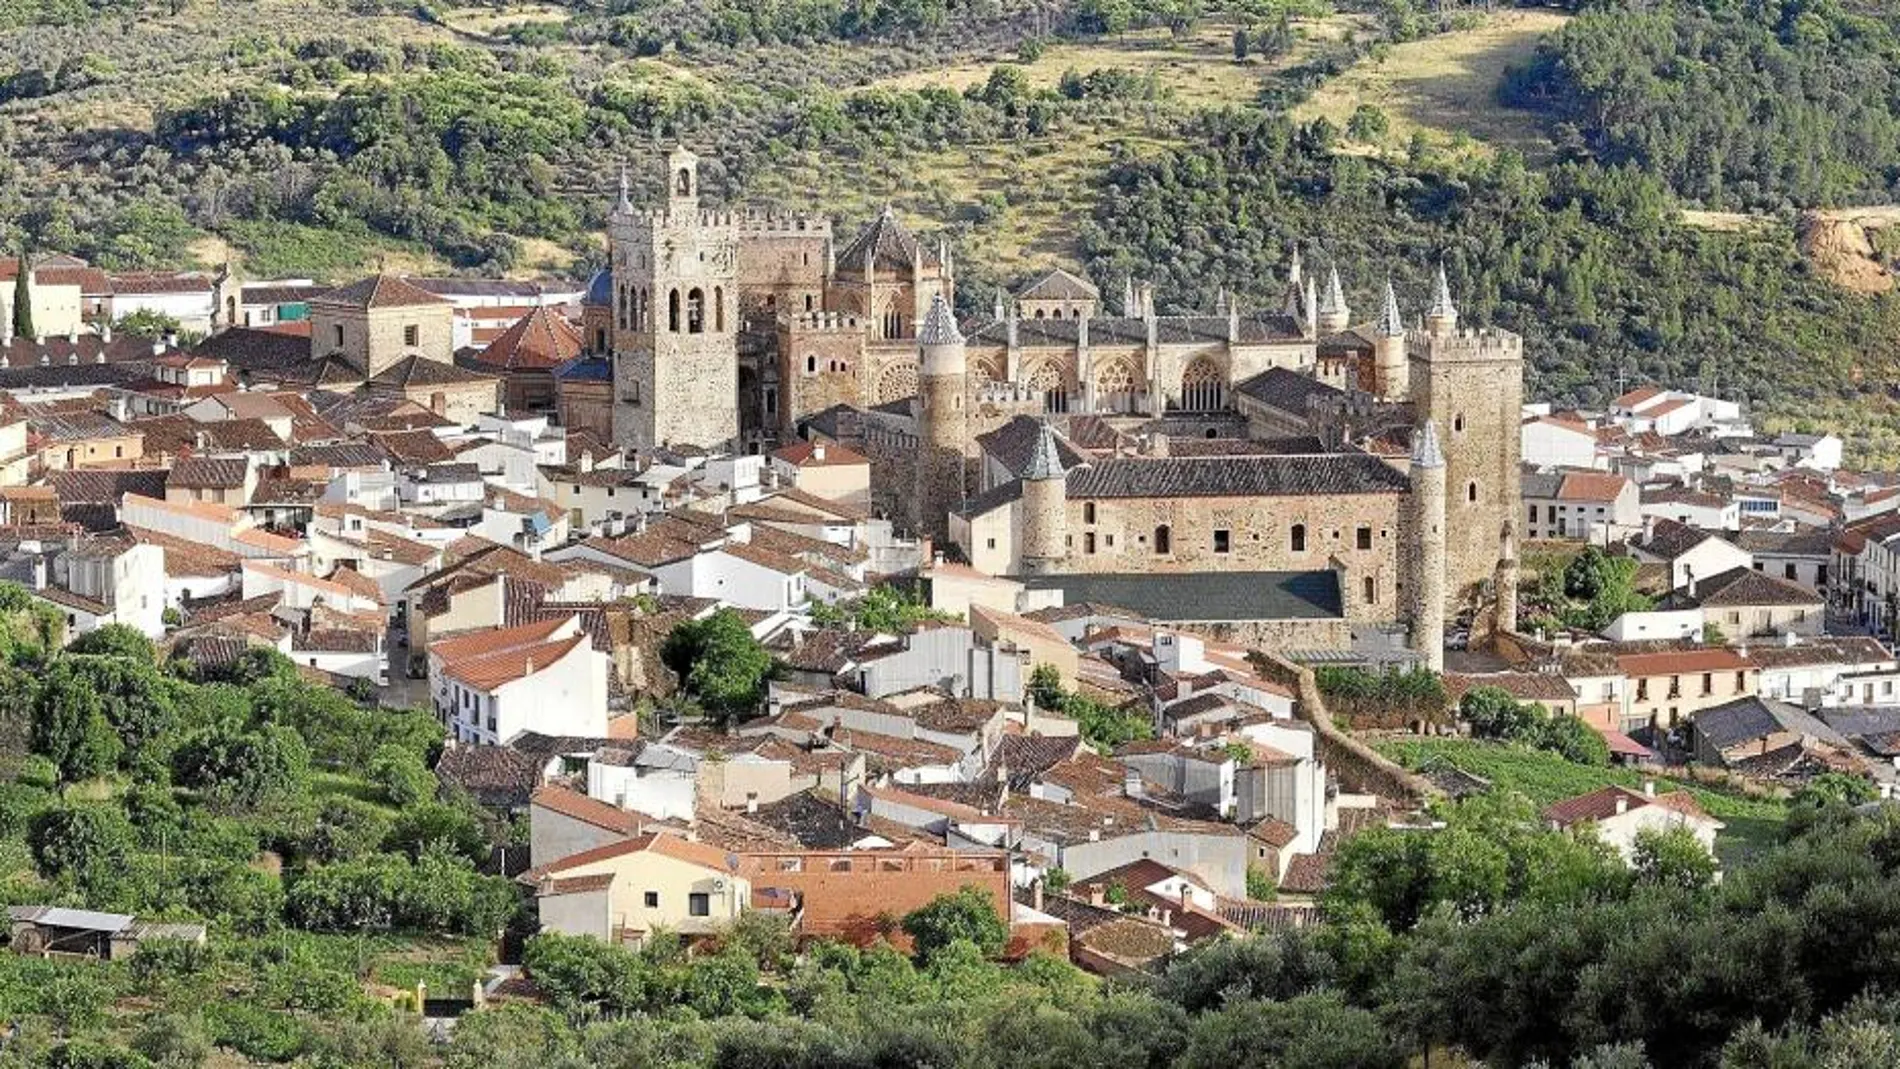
676, 316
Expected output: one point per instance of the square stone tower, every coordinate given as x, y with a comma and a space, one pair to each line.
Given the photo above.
676, 317
1470, 383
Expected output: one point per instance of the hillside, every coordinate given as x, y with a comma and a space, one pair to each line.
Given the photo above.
299, 139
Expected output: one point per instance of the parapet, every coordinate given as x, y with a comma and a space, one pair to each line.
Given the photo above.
824, 322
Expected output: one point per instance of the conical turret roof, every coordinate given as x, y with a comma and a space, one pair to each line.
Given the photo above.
1046, 461
1425, 450
940, 325
1391, 323
1335, 300
1441, 296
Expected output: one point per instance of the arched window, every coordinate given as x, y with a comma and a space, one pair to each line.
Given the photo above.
695, 311
1164, 539
684, 182
1047, 380
1201, 387
1297, 535
1088, 512
673, 311
1458, 423
1115, 388
600, 341
623, 309
642, 311
719, 309
1057, 314
807, 302
1471, 491
811, 365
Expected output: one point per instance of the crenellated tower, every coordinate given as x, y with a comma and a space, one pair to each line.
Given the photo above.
676, 316
1470, 383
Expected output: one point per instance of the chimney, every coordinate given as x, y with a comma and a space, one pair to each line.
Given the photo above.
1131, 783
1688, 573
1097, 897
1035, 894
1167, 918
752, 804
1649, 788
105, 332
158, 347
39, 572
586, 461
818, 451
1622, 804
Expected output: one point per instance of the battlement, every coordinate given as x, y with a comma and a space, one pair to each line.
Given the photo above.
1008, 393
1473, 345
770, 222
824, 323
705, 219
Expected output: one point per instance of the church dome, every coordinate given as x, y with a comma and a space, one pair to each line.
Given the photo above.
600, 289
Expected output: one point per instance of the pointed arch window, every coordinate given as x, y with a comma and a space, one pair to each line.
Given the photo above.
1047, 380
673, 311
695, 311
1297, 537
1164, 539
719, 309
1201, 387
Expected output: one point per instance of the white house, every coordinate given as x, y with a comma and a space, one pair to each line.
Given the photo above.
1697, 508
95, 580
1655, 624
1551, 442
1688, 551
490, 686
1620, 816
1821, 452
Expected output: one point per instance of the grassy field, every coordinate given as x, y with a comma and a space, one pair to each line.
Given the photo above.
488, 21
1196, 69
1751, 824
1445, 86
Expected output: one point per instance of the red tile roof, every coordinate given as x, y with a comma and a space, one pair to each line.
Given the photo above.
1601, 804
585, 809
538, 341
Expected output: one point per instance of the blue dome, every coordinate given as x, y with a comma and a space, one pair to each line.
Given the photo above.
600, 289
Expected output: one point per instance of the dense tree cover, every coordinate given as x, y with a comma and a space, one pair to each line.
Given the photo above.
1730, 104
882, 608
1416, 693
1103, 725
1586, 261
1494, 714
719, 663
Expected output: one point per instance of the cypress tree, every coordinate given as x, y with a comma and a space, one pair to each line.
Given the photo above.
23, 299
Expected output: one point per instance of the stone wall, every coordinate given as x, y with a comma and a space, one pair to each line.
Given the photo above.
1320, 634
821, 363
1120, 535
1471, 384
1358, 767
